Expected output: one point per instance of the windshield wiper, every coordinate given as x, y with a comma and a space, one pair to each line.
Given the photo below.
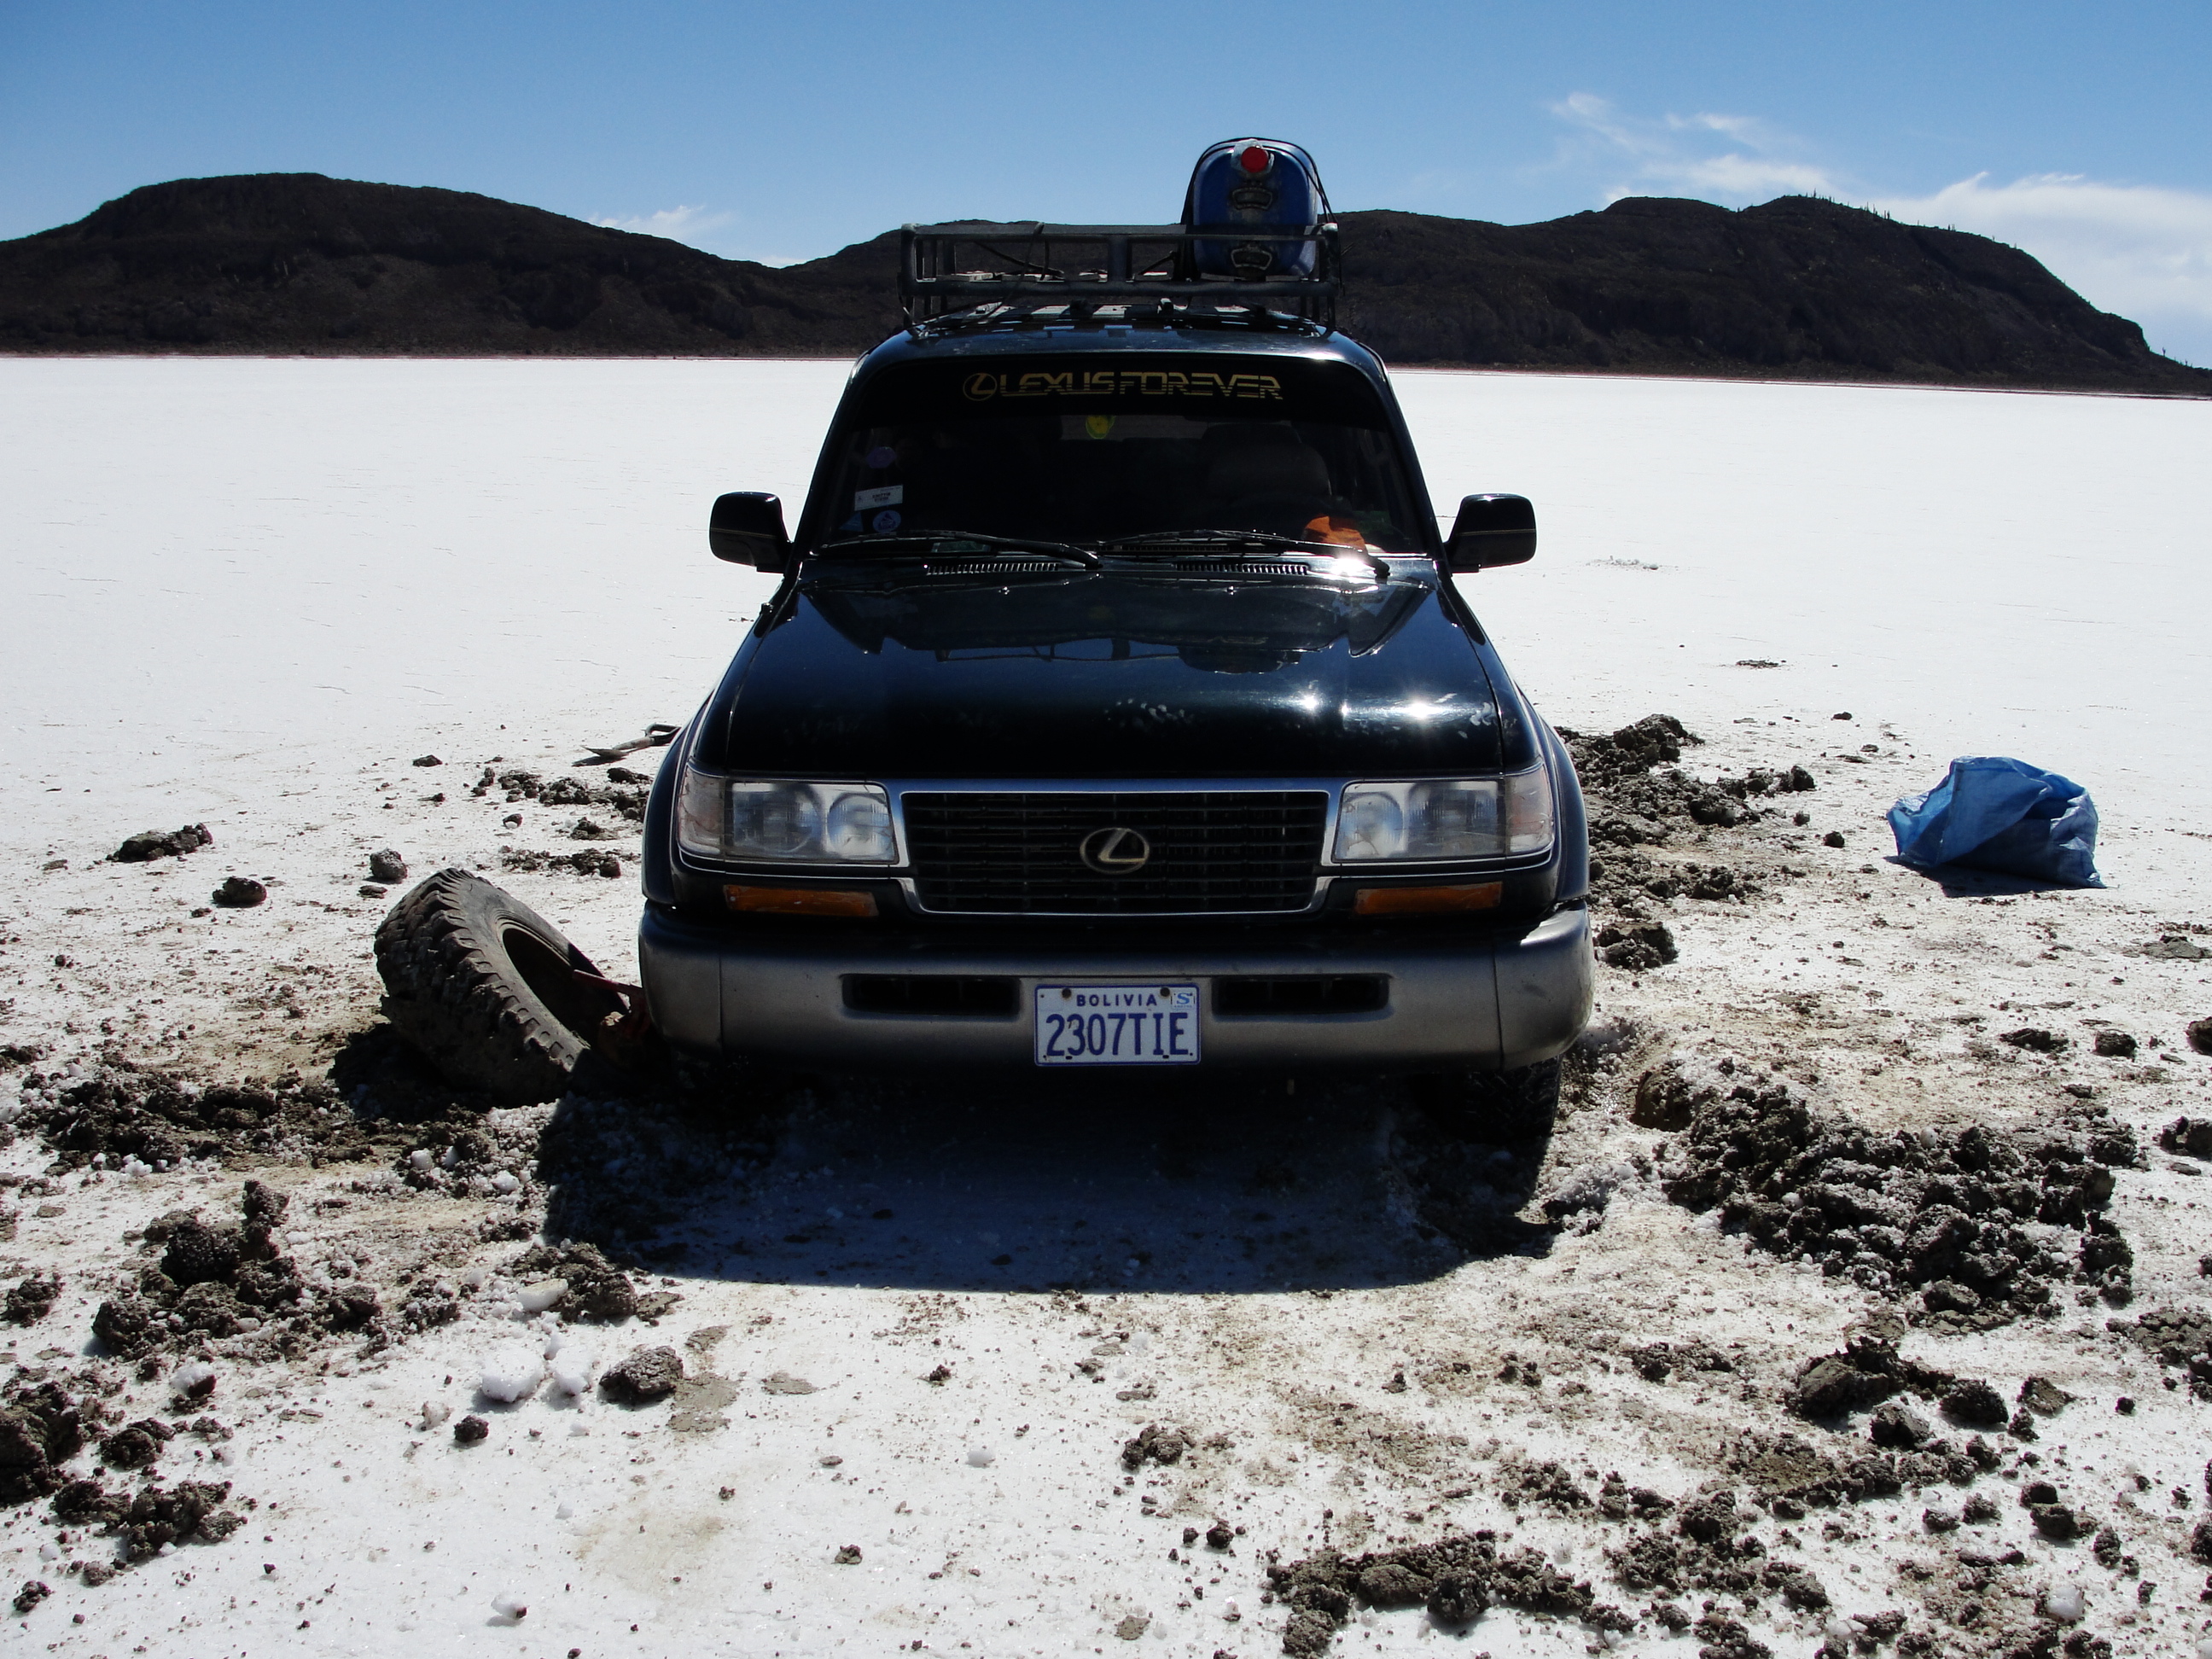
967, 542
1241, 541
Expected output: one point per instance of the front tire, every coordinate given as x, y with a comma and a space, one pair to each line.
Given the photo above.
1498, 1107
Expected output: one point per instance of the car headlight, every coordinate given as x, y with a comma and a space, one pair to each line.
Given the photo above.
721, 817
1446, 818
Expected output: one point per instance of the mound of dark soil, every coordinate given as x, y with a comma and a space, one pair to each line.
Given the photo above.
47, 1420
1788, 1475
1632, 803
2182, 1338
1705, 1548
1636, 796
150, 844
42, 1425
234, 1282
1457, 1579
1976, 1220
122, 1112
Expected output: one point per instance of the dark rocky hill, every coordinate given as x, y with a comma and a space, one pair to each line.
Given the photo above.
1798, 287
297, 262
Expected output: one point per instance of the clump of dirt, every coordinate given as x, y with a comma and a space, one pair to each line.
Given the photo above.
47, 1420
1632, 803
151, 844
1655, 1361
628, 800
31, 1298
488, 1156
2191, 1137
1705, 1548
1867, 1371
42, 1425
191, 1508
1788, 1475
240, 893
596, 1288
123, 1113
1975, 1220
1603, 762
137, 1445
648, 1374
1521, 1481
1457, 1579
217, 1280
583, 863
1636, 947
2181, 1338
1156, 1443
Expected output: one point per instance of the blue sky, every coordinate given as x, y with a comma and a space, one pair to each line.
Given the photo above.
778, 133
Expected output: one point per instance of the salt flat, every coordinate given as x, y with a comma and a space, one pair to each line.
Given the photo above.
248, 593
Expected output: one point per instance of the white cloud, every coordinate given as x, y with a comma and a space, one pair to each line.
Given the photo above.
1735, 159
678, 224
2140, 250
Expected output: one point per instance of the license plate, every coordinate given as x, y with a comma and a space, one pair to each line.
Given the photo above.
1116, 1025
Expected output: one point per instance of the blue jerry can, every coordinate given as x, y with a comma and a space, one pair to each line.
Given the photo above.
1254, 181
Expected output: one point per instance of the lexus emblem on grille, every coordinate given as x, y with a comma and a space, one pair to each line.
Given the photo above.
1114, 852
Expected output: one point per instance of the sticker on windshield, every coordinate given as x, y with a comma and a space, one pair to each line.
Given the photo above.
887, 495
881, 456
885, 523
1097, 425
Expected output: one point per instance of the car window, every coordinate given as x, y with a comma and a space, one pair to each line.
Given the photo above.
1072, 452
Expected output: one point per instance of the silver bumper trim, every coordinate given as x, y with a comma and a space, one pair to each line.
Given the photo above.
777, 994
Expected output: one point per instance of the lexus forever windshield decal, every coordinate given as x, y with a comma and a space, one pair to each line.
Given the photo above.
1220, 386
983, 385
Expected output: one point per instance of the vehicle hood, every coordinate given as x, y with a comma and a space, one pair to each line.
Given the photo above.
1107, 674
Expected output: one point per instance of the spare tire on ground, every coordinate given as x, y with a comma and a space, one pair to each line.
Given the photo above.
486, 988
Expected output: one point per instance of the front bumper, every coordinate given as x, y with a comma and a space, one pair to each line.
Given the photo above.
777, 993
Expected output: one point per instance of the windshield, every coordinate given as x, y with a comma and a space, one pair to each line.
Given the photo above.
1065, 450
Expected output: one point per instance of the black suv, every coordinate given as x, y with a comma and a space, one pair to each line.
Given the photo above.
1114, 707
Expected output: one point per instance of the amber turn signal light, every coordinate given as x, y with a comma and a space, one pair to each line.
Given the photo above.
1428, 900
799, 900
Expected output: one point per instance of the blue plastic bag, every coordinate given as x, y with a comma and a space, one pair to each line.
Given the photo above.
2003, 816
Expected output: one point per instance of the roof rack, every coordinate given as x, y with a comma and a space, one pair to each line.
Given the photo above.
978, 273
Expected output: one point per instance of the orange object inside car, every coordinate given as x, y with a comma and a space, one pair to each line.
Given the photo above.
1336, 530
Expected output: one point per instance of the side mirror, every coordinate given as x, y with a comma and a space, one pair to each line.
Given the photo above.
747, 528
1491, 530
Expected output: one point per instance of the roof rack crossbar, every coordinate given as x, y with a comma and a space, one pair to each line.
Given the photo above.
949, 270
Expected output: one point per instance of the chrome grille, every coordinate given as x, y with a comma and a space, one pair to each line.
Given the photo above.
1211, 851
